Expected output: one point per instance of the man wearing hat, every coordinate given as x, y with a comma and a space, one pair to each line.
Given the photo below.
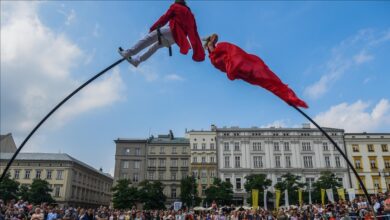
182, 30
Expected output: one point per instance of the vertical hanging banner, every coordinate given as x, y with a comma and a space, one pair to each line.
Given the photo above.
329, 193
351, 194
277, 198
286, 198
323, 196
265, 199
300, 197
340, 192
255, 198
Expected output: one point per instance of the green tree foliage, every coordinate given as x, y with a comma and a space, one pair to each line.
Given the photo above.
292, 183
24, 192
220, 191
40, 192
8, 188
124, 195
327, 180
257, 181
189, 192
151, 194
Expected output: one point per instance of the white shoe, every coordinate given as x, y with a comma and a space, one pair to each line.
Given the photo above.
124, 53
135, 62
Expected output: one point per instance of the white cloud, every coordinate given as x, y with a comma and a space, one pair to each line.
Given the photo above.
276, 124
36, 66
96, 30
349, 54
146, 71
69, 16
356, 117
173, 77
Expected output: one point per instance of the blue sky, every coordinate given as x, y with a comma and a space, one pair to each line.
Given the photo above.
334, 55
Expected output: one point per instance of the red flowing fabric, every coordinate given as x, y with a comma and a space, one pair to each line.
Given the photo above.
238, 64
182, 23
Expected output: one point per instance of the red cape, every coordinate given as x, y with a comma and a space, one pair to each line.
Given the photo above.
238, 64
183, 25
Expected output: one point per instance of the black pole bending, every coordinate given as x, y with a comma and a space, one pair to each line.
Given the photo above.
341, 152
52, 111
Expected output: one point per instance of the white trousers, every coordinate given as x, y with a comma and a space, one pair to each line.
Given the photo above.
150, 41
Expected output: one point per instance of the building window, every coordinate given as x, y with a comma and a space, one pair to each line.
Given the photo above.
279, 179
137, 151
236, 146
256, 146
38, 174
306, 146
387, 162
162, 162
325, 146
276, 146
184, 150
358, 164
173, 162
151, 175
385, 148
237, 163
203, 146
48, 174
203, 159
57, 190
370, 147
373, 162
286, 146
226, 146
338, 162
125, 164
136, 164
238, 183
173, 193
184, 162
195, 173
152, 162
327, 162
16, 174
212, 160
195, 146
173, 176
277, 161
227, 161
59, 174
257, 162
204, 174
135, 178
355, 148
162, 150
27, 174
195, 159
212, 146
288, 161
203, 190
161, 175
212, 173
307, 162
127, 151
227, 180
173, 150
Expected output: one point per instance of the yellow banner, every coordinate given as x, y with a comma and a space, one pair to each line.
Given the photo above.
277, 198
341, 193
255, 198
323, 196
300, 197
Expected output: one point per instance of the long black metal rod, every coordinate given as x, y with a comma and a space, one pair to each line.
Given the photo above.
53, 110
341, 152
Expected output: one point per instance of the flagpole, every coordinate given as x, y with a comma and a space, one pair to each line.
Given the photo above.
52, 111
341, 152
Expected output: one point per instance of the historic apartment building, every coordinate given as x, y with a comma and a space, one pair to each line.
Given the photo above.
165, 158
369, 152
276, 151
130, 160
203, 158
73, 182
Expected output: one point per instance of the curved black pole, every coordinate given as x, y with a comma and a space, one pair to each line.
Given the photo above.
53, 110
341, 152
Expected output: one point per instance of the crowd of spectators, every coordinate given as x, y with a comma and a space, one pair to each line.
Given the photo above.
341, 210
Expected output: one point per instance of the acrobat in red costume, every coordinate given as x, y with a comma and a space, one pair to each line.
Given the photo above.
238, 64
182, 30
